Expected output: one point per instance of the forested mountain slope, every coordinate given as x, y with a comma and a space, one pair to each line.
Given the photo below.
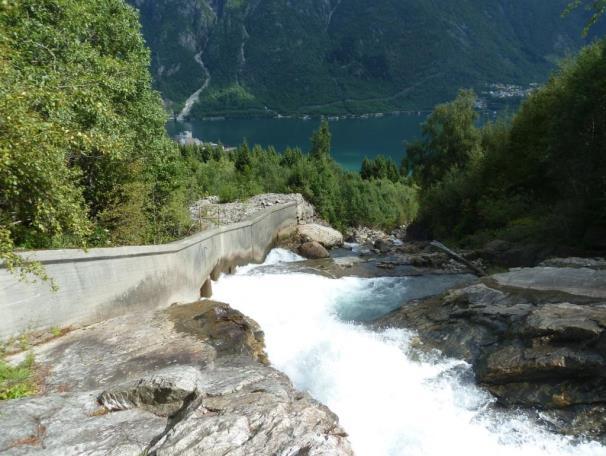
339, 56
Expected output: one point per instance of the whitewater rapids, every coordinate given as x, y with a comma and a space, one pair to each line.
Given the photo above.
389, 399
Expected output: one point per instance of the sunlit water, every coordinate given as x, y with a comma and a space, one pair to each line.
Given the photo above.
388, 399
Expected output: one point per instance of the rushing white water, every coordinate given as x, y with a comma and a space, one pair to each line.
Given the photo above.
390, 400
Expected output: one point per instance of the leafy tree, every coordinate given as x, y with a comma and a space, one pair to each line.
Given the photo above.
451, 138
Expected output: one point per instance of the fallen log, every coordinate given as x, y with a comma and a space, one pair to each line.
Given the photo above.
455, 256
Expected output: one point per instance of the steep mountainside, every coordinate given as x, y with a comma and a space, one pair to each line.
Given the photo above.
339, 56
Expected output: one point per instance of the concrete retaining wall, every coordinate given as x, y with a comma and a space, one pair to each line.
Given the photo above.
104, 283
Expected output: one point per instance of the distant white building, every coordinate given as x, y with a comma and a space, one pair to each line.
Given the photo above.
186, 138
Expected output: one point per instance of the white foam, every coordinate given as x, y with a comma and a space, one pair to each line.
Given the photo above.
388, 402
274, 257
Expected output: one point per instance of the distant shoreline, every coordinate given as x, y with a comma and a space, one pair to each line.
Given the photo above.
375, 115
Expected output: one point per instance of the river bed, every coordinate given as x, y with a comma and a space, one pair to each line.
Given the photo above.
391, 399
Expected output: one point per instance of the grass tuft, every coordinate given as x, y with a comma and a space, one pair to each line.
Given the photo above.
17, 381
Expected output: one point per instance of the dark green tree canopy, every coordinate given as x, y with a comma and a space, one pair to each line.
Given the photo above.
380, 167
539, 177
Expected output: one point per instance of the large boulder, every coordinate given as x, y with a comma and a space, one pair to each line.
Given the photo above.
313, 251
325, 235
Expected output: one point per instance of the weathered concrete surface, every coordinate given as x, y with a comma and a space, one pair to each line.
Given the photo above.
187, 380
535, 337
98, 284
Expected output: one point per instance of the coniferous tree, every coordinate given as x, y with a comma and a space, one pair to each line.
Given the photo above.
243, 161
320, 141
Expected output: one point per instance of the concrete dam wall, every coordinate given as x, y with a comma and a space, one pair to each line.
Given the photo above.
102, 283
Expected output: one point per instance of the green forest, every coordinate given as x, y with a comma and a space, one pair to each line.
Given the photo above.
325, 57
85, 159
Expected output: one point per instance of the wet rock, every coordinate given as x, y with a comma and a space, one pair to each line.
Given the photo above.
535, 338
227, 330
313, 251
559, 395
325, 235
578, 420
206, 291
545, 363
382, 245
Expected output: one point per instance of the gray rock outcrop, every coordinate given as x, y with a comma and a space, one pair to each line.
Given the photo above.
536, 338
191, 380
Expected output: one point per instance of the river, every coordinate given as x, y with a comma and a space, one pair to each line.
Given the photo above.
391, 400
352, 138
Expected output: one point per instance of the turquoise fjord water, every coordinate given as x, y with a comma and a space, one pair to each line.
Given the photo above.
352, 139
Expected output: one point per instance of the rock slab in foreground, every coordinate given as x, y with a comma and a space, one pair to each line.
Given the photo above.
535, 337
189, 380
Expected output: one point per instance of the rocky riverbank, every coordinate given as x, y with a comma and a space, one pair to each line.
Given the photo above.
536, 339
193, 379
